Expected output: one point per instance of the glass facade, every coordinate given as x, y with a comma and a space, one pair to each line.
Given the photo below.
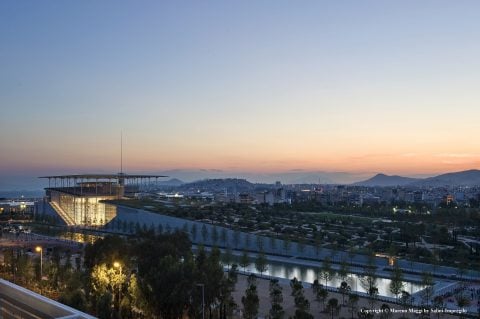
83, 210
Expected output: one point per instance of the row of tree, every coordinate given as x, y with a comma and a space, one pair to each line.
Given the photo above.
157, 276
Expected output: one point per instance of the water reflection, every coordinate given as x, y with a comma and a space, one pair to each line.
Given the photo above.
309, 274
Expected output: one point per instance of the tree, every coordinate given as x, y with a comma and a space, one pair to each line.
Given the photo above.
131, 227
405, 299
273, 243
236, 238
344, 290
427, 283
439, 303
322, 295
168, 228
250, 302
369, 280
137, 301
396, 284
301, 245
318, 243
104, 306
193, 232
212, 274
75, 298
302, 304
105, 279
385, 311
252, 280
106, 251
261, 263
286, 245
223, 237
226, 301
204, 233
260, 243
276, 298
247, 240
333, 253
232, 273
352, 303
344, 270
244, 260
333, 307
351, 254
299, 314
160, 229
327, 271
167, 273
462, 301
215, 235
369, 283
227, 257
316, 286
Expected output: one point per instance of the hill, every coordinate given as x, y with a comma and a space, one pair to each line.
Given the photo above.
387, 180
171, 182
231, 184
463, 178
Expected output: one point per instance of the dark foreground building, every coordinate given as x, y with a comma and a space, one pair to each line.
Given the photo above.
17, 302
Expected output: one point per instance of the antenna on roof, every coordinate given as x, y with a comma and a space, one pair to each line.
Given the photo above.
121, 152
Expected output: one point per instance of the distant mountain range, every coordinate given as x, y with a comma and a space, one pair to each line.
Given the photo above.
230, 184
31, 186
170, 182
387, 180
295, 176
463, 178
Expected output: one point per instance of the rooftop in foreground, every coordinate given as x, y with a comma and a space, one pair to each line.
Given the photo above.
18, 302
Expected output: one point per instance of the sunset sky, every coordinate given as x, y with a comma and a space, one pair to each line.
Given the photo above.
239, 86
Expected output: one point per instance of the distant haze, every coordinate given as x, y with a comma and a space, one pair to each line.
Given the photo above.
25, 185
8, 183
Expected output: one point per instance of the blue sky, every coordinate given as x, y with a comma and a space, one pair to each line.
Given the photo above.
266, 86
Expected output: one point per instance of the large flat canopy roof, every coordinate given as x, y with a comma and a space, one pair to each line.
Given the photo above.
104, 176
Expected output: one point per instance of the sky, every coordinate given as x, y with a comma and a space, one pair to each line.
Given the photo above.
239, 87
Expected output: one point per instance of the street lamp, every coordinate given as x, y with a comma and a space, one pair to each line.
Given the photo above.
39, 249
203, 299
117, 265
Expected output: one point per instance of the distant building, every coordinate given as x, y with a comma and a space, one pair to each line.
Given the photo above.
368, 199
418, 196
244, 198
265, 198
17, 206
449, 199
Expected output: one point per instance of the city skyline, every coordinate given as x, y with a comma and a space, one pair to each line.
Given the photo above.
258, 88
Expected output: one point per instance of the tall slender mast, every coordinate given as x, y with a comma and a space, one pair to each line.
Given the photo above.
121, 151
